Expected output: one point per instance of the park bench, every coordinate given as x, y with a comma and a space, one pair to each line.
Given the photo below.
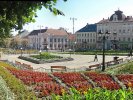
93, 67
17, 63
27, 66
58, 68
120, 60
109, 63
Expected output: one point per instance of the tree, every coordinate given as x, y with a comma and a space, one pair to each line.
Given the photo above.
15, 14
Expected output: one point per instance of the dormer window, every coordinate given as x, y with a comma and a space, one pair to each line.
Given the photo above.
115, 17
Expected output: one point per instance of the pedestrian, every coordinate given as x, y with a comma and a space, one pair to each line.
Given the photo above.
95, 58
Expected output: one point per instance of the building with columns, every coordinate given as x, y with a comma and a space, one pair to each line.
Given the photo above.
120, 28
52, 39
118, 25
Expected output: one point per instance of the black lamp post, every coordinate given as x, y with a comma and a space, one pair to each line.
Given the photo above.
21, 51
131, 48
104, 37
40, 54
75, 46
70, 52
115, 41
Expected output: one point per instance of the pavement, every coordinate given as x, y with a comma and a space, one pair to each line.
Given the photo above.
80, 61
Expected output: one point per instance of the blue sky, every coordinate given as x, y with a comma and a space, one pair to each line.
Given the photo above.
85, 11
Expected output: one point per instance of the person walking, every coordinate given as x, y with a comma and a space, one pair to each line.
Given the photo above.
95, 58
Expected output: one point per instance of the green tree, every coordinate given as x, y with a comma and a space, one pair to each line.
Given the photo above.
15, 14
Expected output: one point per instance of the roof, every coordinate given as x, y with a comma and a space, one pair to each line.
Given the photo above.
56, 32
49, 31
120, 15
88, 28
103, 21
35, 32
23, 34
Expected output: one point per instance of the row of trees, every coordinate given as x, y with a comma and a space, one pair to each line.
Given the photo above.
15, 43
15, 14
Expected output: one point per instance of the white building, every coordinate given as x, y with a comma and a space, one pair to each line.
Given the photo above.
118, 25
120, 28
86, 37
53, 39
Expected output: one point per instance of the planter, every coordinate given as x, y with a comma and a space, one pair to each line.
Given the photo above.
38, 61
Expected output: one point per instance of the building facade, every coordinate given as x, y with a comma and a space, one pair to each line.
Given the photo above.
86, 37
121, 31
48, 39
118, 25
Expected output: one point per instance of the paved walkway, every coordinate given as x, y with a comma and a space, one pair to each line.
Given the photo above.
78, 62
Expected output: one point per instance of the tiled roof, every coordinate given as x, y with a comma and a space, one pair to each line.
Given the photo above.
35, 32
88, 28
103, 21
56, 32
49, 31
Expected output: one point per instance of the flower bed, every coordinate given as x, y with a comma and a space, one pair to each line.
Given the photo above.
103, 80
17, 87
74, 80
127, 79
41, 82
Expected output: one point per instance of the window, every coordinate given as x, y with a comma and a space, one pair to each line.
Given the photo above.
90, 40
50, 45
123, 31
51, 40
91, 35
119, 31
54, 40
119, 39
128, 30
128, 39
44, 40
85, 40
124, 39
85, 35
58, 39
93, 40
65, 40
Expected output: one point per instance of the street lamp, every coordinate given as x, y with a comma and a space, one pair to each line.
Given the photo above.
40, 54
21, 51
70, 52
104, 37
131, 48
75, 46
115, 43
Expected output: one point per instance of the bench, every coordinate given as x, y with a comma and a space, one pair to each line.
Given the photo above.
109, 63
17, 63
91, 67
58, 68
120, 60
27, 66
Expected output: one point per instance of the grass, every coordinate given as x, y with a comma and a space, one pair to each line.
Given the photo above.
45, 56
121, 69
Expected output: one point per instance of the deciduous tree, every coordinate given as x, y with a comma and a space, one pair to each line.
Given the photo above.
15, 14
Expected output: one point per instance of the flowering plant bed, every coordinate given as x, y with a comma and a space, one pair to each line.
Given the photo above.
44, 58
67, 85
